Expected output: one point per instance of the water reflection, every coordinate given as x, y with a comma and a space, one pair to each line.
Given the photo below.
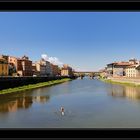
132, 92
14, 105
116, 91
41, 99
86, 103
22, 101
125, 91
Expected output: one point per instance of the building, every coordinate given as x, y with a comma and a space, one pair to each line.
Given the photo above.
21, 66
133, 71
47, 64
24, 66
4, 70
13, 64
103, 73
133, 61
48, 68
40, 68
55, 70
110, 69
118, 69
5, 57
34, 70
66, 70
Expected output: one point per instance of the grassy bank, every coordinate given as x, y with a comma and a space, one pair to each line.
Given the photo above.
121, 82
33, 86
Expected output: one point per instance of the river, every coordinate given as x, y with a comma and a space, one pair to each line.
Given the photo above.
88, 103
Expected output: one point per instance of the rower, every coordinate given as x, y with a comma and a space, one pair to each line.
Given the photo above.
62, 110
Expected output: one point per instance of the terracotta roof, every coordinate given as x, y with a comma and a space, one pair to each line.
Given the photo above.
123, 64
120, 63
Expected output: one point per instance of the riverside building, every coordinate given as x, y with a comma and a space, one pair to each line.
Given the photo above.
4, 71
66, 70
119, 69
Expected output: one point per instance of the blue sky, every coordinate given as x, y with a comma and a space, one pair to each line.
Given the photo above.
84, 40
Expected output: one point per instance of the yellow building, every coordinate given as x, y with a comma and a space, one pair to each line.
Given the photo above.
133, 71
66, 70
3, 67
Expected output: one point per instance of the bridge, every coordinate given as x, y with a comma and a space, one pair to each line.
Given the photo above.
88, 73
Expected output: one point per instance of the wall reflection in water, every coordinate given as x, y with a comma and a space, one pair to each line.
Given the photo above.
13, 104
125, 91
41, 99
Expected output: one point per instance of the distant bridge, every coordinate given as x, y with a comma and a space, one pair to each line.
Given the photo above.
86, 72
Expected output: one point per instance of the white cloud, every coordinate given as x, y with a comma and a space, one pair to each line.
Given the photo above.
53, 60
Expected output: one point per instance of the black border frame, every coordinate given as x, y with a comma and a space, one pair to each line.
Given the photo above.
70, 6
95, 6
70, 133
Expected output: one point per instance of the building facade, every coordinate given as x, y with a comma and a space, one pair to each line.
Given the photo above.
110, 69
118, 69
48, 68
24, 67
35, 73
4, 70
133, 71
13, 65
41, 68
66, 70
55, 70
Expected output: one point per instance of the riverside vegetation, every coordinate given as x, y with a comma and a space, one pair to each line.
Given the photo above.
33, 86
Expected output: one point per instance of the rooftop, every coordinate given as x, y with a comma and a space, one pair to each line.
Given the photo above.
120, 63
123, 64
2, 60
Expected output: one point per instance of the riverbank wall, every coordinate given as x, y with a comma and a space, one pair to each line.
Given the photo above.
124, 80
12, 82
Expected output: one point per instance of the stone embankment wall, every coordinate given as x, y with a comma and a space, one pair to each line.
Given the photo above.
126, 80
11, 82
